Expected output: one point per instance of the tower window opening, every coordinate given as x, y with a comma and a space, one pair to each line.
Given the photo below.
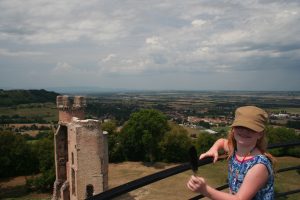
89, 190
73, 182
72, 158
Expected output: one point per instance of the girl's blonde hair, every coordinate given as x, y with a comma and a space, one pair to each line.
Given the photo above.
261, 145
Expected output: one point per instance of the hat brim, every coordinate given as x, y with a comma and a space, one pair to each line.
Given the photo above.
248, 124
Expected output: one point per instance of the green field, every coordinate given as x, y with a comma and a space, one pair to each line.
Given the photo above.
46, 111
288, 110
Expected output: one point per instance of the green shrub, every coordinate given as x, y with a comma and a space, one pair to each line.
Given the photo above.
175, 145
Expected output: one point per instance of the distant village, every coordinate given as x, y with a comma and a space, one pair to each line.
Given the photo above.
206, 123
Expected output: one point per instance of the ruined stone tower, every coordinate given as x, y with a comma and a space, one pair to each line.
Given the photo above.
81, 154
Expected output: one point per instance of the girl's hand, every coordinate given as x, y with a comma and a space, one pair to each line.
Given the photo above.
210, 153
196, 184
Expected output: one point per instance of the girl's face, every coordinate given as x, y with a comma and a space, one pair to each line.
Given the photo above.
245, 136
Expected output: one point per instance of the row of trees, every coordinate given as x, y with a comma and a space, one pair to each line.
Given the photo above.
16, 119
16, 97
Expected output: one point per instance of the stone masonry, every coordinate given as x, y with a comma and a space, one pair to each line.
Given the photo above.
81, 152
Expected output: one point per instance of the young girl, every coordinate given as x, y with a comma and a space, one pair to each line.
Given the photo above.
250, 173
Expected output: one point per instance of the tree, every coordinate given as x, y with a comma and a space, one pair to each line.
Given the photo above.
204, 141
142, 133
175, 145
115, 149
293, 124
109, 126
16, 157
204, 124
44, 151
281, 135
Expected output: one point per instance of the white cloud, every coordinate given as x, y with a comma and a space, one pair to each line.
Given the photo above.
6, 52
49, 22
108, 58
123, 66
62, 67
198, 23
154, 42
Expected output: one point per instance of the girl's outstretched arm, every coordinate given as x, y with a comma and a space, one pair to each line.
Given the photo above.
214, 150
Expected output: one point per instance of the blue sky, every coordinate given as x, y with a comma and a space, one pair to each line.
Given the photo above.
157, 44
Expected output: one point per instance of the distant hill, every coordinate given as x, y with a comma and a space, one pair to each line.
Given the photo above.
15, 97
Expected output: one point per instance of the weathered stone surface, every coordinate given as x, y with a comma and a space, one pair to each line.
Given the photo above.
81, 154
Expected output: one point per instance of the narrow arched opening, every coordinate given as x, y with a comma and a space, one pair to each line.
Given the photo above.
89, 190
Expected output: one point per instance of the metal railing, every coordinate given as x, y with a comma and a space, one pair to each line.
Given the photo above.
146, 180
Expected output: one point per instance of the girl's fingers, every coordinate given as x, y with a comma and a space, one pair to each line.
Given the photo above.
203, 155
210, 154
192, 186
195, 180
215, 157
195, 183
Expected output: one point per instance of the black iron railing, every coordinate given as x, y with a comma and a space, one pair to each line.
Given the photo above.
138, 183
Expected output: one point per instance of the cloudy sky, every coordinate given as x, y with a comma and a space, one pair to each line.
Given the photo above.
150, 44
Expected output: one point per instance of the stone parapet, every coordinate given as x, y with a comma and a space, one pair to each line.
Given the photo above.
70, 107
79, 102
86, 123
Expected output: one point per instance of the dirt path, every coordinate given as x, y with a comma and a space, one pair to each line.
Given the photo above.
12, 182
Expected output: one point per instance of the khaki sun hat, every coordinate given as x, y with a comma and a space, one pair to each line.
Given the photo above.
250, 117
